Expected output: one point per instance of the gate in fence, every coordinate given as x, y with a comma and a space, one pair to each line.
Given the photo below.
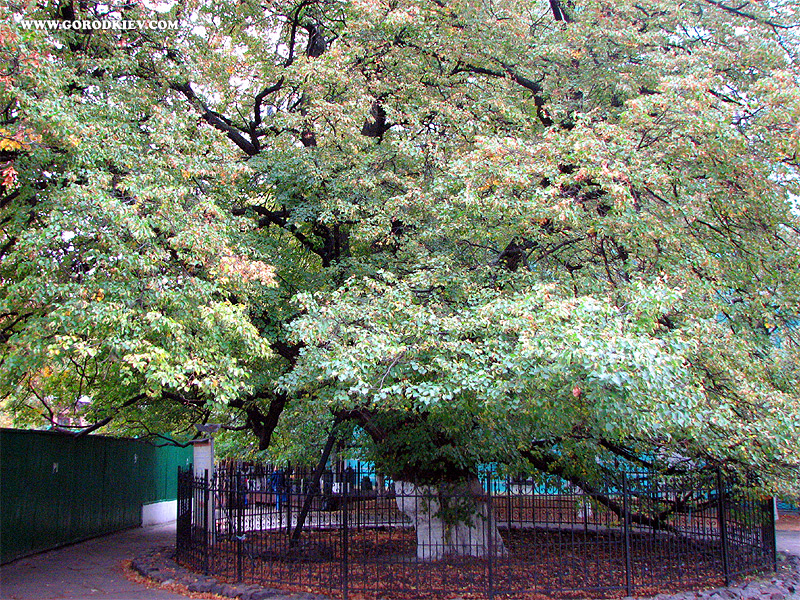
353, 532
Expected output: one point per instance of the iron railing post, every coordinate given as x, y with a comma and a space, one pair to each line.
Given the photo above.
213, 485
770, 509
626, 531
289, 490
723, 527
345, 539
181, 520
241, 499
491, 524
206, 494
509, 506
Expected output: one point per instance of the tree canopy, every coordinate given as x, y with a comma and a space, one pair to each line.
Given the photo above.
521, 232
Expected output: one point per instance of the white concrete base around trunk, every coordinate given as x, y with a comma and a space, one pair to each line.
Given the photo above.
464, 526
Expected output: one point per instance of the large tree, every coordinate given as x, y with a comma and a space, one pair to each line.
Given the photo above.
525, 232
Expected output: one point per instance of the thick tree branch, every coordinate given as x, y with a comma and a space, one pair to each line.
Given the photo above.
317, 44
737, 10
547, 463
559, 14
281, 219
259, 100
514, 75
262, 425
377, 125
334, 238
216, 120
366, 420
511, 73
508, 71
110, 418
293, 31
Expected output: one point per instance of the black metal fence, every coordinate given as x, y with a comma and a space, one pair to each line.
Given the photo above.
354, 533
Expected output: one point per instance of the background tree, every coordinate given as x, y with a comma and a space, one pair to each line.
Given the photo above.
533, 233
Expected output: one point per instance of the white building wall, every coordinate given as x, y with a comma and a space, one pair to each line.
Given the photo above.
159, 512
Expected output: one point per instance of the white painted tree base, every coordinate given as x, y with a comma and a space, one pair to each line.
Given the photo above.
465, 527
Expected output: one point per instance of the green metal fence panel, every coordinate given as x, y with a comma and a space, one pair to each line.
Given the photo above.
57, 489
165, 472
37, 492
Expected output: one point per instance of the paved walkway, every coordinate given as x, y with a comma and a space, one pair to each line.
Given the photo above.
788, 541
93, 570
87, 571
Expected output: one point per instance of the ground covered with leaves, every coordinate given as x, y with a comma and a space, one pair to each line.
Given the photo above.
788, 522
382, 563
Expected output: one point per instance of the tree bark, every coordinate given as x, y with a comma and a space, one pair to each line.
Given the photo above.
450, 519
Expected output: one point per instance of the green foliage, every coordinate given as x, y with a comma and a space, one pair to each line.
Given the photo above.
474, 232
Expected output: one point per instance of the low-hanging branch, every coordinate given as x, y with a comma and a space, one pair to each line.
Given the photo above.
548, 463
108, 419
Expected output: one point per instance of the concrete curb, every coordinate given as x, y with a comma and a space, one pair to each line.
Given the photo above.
159, 565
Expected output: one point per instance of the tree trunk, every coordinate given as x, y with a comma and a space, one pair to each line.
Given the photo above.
450, 519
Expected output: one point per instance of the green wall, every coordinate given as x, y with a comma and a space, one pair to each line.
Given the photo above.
164, 476
57, 489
